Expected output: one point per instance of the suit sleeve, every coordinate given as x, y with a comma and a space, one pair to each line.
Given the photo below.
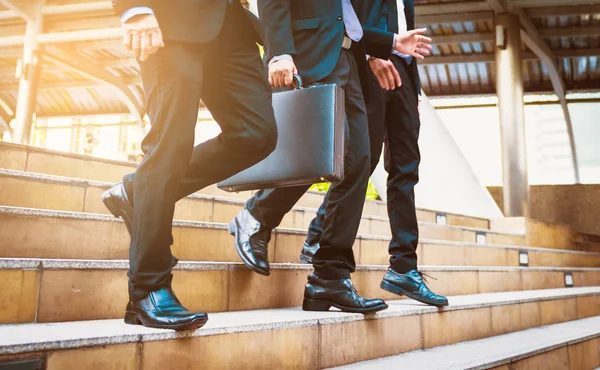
276, 20
378, 43
120, 6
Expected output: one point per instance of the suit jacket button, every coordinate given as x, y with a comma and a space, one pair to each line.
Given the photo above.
339, 18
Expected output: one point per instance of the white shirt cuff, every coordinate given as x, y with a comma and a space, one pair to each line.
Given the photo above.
138, 10
280, 57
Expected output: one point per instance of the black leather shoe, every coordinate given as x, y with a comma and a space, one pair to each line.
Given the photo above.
308, 252
161, 309
251, 241
118, 203
320, 295
411, 285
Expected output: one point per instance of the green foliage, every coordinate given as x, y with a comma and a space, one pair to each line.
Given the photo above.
324, 186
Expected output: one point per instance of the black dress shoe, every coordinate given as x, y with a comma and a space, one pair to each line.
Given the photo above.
118, 203
251, 241
411, 285
161, 309
308, 252
320, 295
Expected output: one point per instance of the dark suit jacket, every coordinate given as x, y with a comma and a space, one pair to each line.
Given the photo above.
373, 16
312, 32
195, 21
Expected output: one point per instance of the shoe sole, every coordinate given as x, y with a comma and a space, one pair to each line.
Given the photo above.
116, 211
134, 319
397, 290
325, 305
233, 227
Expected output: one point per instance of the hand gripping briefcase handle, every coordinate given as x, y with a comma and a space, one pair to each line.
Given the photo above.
310, 143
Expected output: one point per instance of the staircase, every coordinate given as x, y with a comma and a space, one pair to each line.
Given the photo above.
63, 286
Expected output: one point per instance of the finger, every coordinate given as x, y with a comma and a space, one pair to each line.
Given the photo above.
381, 82
127, 40
156, 40
418, 31
390, 79
417, 55
424, 39
397, 78
271, 80
161, 42
145, 45
424, 46
423, 52
288, 79
135, 44
280, 79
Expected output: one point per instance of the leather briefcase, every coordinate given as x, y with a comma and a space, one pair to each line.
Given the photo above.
310, 144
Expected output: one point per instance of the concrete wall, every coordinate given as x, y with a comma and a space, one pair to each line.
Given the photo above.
574, 205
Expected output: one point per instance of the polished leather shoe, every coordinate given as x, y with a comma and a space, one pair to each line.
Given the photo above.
411, 285
161, 309
251, 241
118, 203
308, 252
321, 294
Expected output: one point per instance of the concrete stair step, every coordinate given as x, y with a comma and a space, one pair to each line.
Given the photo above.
75, 166
570, 345
34, 233
69, 290
54, 193
291, 338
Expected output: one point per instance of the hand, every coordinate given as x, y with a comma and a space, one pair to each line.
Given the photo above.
142, 36
413, 43
281, 73
386, 73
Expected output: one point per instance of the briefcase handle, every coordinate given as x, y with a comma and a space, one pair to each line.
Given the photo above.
297, 82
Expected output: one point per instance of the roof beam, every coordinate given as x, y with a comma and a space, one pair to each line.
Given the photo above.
545, 3
453, 17
27, 10
453, 7
490, 58
5, 116
89, 69
555, 11
59, 9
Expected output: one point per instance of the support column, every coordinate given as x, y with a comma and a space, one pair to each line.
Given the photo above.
29, 79
509, 87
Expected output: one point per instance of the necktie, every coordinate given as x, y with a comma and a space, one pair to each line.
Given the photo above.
351, 22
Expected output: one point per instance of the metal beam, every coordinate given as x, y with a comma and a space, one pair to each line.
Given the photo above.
69, 36
453, 7
535, 42
555, 11
425, 20
5, 117
545, 3
497, 6
22, 8
87, 67
62, 9
490, 58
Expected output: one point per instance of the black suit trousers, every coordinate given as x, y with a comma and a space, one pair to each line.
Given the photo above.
335, 259
393, 119
229, 76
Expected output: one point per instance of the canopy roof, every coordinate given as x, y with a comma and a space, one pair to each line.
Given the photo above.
87, 71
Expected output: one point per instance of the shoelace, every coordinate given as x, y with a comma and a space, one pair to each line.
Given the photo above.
425, 276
